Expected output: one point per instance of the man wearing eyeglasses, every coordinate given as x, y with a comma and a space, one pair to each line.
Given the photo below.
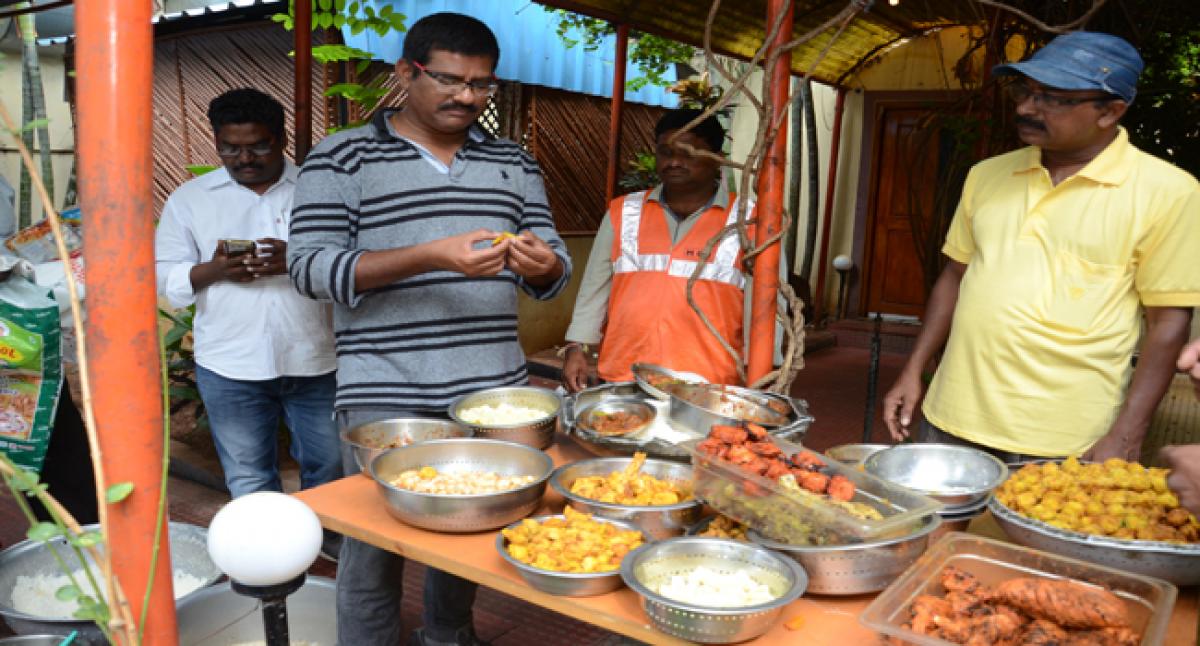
1057, 253
263, 352
421, 229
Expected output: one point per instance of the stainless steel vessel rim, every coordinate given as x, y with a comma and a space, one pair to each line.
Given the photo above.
931, 523
540, 392
799, 585
1002, 469
500, 546
1129, 545
457, 440
557, 484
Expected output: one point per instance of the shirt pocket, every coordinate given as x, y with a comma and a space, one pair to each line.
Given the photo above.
1081, 291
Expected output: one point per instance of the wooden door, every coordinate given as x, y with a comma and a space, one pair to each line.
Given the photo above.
902, 187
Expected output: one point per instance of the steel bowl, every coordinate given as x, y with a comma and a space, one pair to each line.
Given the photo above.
644, 372
1177, 563
189, 554
855, 454
462, 513
657, 521
647, 566
370, 440
588, 418
698, 407
855, 568
957, 476
218, 616
565, 584
538, 433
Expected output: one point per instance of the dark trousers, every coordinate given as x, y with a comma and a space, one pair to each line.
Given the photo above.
930, 434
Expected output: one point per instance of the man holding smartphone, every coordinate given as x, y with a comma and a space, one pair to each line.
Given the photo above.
264, 353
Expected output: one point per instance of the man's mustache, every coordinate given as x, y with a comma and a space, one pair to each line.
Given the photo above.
1030, 123
247, 167
454, 105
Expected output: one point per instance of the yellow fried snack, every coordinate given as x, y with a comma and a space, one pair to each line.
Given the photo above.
629, 487
576, 543
1114, 498
725, 527
502, 237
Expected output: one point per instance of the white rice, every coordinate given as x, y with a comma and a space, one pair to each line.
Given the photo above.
707, 587
502, 414
34, 595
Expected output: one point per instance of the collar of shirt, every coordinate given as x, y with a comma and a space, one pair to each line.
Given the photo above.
384, 129
720, 199
220, 178
1111, 166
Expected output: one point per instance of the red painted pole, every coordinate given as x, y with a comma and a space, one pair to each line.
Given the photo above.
303, 96
827, 221
618, 105
771, 185
114, 63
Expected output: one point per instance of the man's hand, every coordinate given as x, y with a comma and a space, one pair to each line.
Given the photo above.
1119, 442
1184, 462
899, 403
270, 260
575, 369
460, 253
532, 259
1189, 362
220, 268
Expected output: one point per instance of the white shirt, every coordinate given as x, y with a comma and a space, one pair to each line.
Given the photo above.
259, 330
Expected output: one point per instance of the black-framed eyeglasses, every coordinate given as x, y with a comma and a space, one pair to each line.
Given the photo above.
450, 84
1019, 92
229, 151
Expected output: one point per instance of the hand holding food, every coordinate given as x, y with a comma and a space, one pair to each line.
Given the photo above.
575, 543
531, 258
461, 253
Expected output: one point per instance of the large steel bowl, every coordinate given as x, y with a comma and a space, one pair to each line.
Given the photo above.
957, 476
645, 567
565, 584
855, 568
697, 407
657, 521
218, 616
370, 440
462, 513
189, 554
646, 373
855, 454
1177, 563
538, 433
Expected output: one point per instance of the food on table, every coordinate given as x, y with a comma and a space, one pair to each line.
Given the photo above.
1114, 498
1024, 610
502, 414
575, 543
617, 422
463, 483
659, 380
629, 487
752, 450
703, 586
722, 526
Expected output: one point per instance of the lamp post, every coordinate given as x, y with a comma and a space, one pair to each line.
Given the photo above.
843, 264
265, 542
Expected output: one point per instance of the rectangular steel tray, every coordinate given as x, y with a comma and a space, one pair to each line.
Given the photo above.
1149, 600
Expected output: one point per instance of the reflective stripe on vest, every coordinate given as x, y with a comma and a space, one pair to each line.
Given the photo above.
722, 268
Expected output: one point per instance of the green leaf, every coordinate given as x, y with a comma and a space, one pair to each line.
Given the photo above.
281, 17
339, 21
385, 11
43, 532
339, 5
357, 28
87, 539
189, 394
118, 492
325, 5
352, 10
199, 169
24, 480
67, 593
397, 20
326, 21
34, 125
362, 66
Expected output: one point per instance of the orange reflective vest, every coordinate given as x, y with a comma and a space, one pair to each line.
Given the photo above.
649, 319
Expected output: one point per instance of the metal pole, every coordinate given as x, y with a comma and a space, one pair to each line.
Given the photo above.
618, 105
872, 379
771, 186
303, 97
114, 63
827, 225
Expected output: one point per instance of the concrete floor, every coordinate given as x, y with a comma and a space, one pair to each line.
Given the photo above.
834, 382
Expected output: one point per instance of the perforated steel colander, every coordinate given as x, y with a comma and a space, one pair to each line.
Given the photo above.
647, 567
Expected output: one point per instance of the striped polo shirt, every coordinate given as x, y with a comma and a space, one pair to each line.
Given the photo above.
418, 343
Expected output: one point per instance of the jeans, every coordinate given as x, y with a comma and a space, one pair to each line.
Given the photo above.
244, 417
370, 580
929, 434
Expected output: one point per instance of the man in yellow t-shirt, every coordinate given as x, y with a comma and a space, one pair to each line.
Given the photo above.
1056, 252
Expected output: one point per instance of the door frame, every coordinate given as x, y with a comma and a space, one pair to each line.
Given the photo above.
874, 105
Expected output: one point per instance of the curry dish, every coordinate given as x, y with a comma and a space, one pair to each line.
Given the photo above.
629, 487
574, 543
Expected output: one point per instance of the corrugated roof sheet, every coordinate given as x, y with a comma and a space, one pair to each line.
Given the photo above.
530, 50
169, 16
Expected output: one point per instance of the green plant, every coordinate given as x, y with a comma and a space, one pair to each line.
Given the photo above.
651, 54
179, 363
641, 172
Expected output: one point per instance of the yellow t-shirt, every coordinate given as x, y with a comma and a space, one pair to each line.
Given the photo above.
1048, 314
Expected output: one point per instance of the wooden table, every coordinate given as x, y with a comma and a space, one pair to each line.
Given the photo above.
353, 507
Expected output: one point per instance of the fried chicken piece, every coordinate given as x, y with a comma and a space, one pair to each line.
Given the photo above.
756, 432
739, 454
840, 488
766, 449
777, 469
957, 580
1068, 603
813, 481
1103, 637
711, 446
729, 434
1041, 632
984, 630
924, 611
807, 460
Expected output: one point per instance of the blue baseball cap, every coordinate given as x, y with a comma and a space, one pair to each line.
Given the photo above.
1083, 60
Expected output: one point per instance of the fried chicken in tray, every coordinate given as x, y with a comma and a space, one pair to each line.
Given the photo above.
1025, 611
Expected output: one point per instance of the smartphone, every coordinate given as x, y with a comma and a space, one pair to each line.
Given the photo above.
235, 248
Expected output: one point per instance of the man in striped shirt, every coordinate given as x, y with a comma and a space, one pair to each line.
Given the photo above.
402, 224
